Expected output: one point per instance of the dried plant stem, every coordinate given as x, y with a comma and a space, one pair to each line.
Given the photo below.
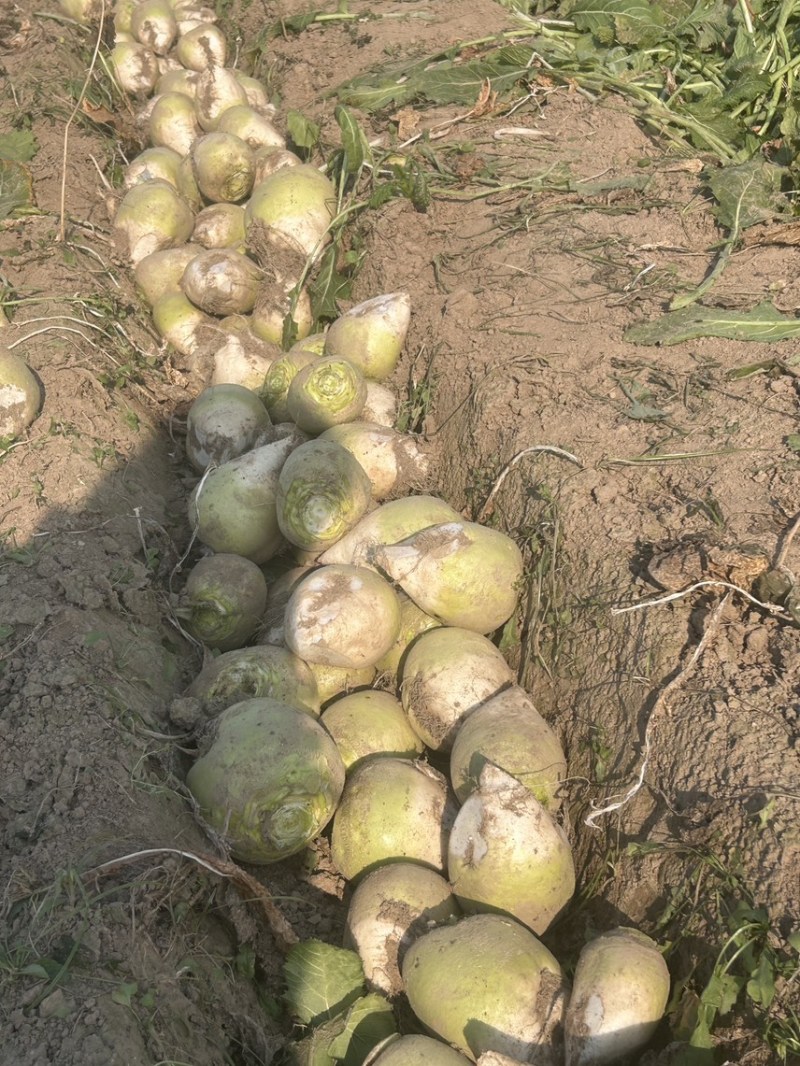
488, 506
773, 608
246, 885
785, 545
710, 628
78, 103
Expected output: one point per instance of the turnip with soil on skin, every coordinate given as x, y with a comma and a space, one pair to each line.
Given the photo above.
177, 81
393, 461
507, 731
387, 524
504, 989
181, 324
619, 996
276, 301
372, 334
506, 853
153, 24
370, 722
223, 167
326, 393
153, 164
389, 910
161, 272
294, 205
342, 616
322, 493
241, 359
462, 573
20, 394
173, 122
391, 810
269, 781
251, 126
151, 216
448, 672
269, 159
202, 47
222, 281
220, 226
224, 422
135, 67
223, 601
246, 673
235, 507
381, 406
217, 90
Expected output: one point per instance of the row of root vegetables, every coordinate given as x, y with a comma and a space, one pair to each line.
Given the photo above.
351, 684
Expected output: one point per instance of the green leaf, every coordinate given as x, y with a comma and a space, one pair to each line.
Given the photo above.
6, 631
722, 991
793, 441
329, 285
19, 146
16, 188
763, 323
354, 144
747, 193
634, 22
321, 980
124, 993
302, 131
369, 1021
794, 937
761, 986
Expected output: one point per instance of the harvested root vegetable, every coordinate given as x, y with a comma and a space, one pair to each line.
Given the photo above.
336, 681
447, 674
278, 380
269, 159
151, 216
135, 67
413, 622
372, 334
225, 421
294, 205
322, 493
462, 573
251, 126
20, 394
505, 991
161, 272
153, 24
234, 508
388, 911
393, 461
223, 601
202, 47
270, 780
342, 616
223, 167
391, 810
222, 281
181, 324
246, 673
619, 996
153, 164
240, 361
173, 122
326, 393
388, 524
507, 854
220, 226
217, 90
417, 1050
381, 405
278, 305
507, 731
370, 722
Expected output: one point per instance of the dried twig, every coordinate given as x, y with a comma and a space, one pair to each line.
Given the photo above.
709, 630
488, 507
75, 110
785, 545
246, 885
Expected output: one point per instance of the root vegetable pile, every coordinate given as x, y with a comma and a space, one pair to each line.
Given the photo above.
348, 618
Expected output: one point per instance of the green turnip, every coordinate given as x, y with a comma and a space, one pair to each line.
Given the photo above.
225, 421
370, 722
223, 601
246, 673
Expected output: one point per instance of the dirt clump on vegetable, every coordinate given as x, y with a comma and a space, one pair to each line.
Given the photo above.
121, 939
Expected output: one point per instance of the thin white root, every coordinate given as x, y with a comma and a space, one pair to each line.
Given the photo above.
488, 506
773, 608
708, 632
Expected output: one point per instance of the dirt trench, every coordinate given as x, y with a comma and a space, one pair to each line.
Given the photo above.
520, 301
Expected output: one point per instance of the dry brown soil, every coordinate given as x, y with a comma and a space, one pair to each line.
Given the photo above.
520, 301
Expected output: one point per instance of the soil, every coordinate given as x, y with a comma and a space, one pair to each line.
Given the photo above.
117, 945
